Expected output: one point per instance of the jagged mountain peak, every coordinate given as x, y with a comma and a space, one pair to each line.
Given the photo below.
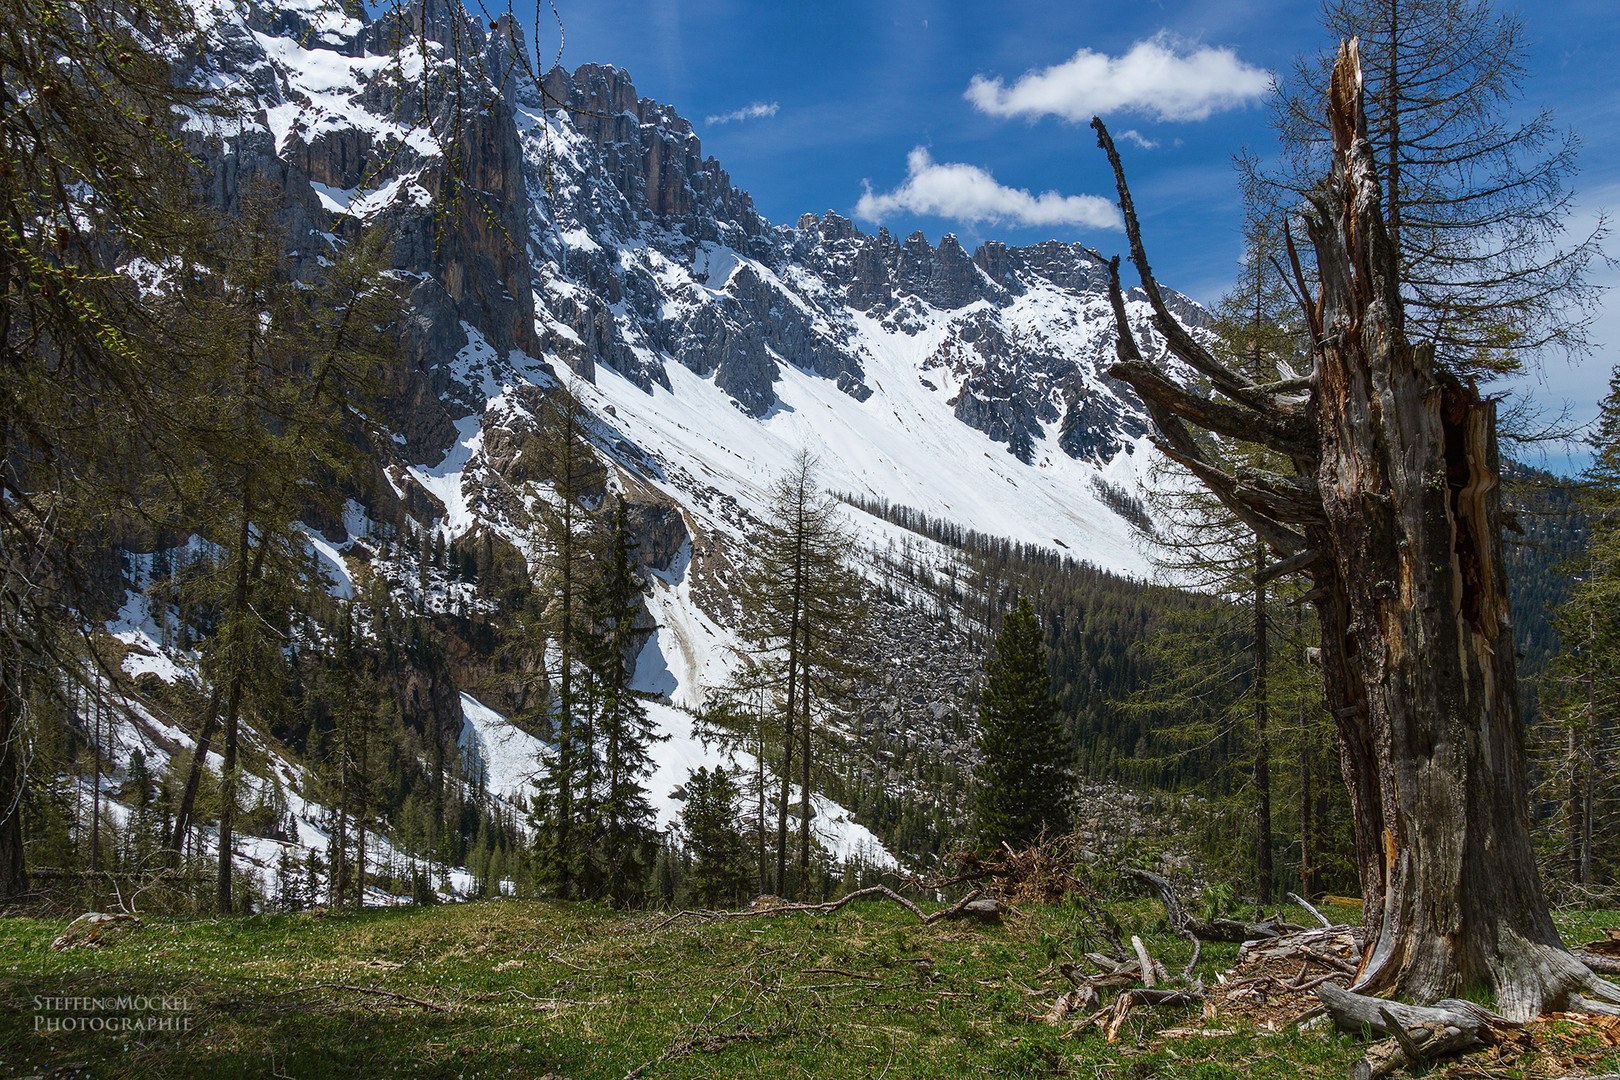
571, 225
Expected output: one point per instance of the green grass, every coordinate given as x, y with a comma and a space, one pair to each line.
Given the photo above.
524, 989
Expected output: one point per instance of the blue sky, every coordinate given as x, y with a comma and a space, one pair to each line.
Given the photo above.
811, 105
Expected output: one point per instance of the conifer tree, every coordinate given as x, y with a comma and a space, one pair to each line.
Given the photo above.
564, 540
623, 816
270, 407
91, 178
1582, 688
1228, 678
720, 873
803, 613
1473, 186
1026, 782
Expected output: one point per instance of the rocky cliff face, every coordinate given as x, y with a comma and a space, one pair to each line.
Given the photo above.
563, 229
566, 227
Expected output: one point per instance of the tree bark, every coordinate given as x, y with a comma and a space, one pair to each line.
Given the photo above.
1263, 871
13, 868
1417, 643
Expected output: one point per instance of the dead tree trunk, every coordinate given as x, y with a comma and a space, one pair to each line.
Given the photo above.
1394, 512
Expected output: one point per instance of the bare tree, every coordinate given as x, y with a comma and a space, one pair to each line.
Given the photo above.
1393, 508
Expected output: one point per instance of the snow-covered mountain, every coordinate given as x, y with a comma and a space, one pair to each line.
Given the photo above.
565, 229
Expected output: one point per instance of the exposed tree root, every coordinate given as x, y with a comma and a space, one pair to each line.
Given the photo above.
1527, 978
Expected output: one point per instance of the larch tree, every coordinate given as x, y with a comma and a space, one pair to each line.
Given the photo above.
274, 407
1025, 783
1473, 191
1393, 508
1225, 694
802, 609
91, 179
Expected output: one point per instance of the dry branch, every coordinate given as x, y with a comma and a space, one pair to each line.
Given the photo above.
1142, 996
1144, 960
1301, 901
373, 991
1185, 924
883, 891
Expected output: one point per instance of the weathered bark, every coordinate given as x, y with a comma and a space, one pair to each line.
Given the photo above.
1417, 647
1418, 1034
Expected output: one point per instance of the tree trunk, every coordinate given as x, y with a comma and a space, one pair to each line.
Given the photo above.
565, 714
13, 869
363, 787
1396, 509
340, 837
1262, 747
1418, 642
1307, 792
787, 782
804, 776
759, 795
95, 784
795, 623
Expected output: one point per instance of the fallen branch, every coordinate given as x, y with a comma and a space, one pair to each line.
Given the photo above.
1144, 959
363, 990
831, 906
1416, 1033
1320, 980
1328, 961
96, 921
1143, 996
706, 1034
1185, 924
1412, 1049
1072, 1001
1351, 1011
1306, 904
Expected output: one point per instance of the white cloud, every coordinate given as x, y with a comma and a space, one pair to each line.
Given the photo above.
1152, 79
747, 112
1134, 136
969, 194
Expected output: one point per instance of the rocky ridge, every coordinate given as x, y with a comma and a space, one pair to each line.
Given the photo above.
565, 229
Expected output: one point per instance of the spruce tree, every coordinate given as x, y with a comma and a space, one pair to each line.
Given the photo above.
720, 872
1026, 780
564, 542
623, 817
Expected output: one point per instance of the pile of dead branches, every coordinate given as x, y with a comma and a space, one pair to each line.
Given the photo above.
1137, 981
1039, 874
1274, 980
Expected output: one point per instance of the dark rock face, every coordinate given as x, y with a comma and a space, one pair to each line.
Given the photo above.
583, 225
659, 530
1090, 431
